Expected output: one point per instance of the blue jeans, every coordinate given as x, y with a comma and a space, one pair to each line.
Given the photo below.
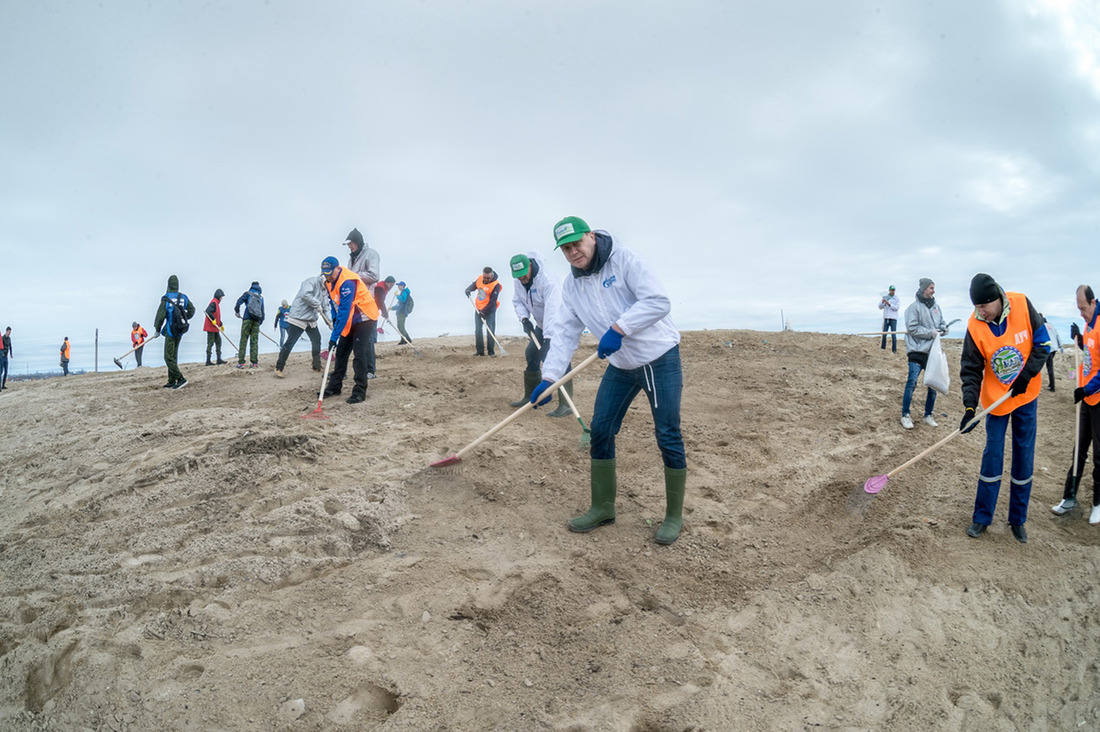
910, 385
890, 324
993, 457
663, 381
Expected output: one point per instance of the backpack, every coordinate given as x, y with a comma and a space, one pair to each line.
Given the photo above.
176, 317
255, 306
409, 304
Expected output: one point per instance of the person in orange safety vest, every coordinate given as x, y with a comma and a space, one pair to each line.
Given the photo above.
354, 317
487, 300
137, 338
1005, 348
66, 352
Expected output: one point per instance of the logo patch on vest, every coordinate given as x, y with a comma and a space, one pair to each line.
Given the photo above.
609, 281
1086, 363
1006, 363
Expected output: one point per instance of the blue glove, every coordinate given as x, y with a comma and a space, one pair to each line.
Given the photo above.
543, 386
612, 341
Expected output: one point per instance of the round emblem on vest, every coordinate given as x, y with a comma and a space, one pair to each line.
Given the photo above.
1006, 362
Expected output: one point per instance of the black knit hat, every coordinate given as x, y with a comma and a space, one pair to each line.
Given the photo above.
219, 293
983, 289
356, 237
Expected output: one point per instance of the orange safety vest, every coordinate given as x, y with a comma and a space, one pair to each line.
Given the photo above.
213, 327
66, 349
363, 300
1005, 355
1091, 363
137, 336
484, 291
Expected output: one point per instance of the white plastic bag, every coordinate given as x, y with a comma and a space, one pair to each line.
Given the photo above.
936, 374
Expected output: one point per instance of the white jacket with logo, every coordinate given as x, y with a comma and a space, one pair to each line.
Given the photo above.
538, 302
624, 291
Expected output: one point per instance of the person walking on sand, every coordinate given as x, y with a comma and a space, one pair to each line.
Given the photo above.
280, 321
300, 318
889, 305
137, 337
253, 318
354, 316
1005, 347
923, 322
403, 307
5, 354
488, 289
171, 322
612, 291
535, 297
365, 262
213, 326
1087, 394
66, 353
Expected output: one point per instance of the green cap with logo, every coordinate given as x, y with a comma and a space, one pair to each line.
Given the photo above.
569, 230
520, 265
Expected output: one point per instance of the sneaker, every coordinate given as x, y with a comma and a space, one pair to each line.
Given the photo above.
1094, 517
356, 399
1019, 532
280, 374
975, 530
180, 384
253, 365
169, 385
219, 362
906, 422
1064, 506
240, 365
371, 375
929, 421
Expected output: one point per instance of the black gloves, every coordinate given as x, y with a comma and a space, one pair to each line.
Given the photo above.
527, 327
1078, 394
968, 422
1019, 386
332, 345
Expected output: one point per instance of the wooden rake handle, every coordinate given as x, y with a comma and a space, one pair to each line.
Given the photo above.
950, 437
515, 415
564, 393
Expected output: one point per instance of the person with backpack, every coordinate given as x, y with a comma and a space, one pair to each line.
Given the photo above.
171, 322
213, 327
137, 337
66, 352
253, 318
403, 306
280, 321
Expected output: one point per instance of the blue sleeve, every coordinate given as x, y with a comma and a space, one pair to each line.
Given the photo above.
347, 298
240, 301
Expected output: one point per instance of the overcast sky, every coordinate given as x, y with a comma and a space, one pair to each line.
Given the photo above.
765, 156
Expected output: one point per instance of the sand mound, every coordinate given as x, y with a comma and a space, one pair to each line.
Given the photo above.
204, 559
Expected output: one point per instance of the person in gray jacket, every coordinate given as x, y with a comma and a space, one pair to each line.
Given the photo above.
365, 262
302, 318
923, 322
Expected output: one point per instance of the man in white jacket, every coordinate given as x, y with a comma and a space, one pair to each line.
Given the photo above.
615, 293
889, 305
533, 300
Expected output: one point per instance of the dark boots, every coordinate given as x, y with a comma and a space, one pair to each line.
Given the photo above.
603, 488
531, 379
675, 481
563, 410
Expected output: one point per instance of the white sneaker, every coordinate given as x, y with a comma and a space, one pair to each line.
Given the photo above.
1094, 517
1064, 506
279, 373
906, 422
929, 421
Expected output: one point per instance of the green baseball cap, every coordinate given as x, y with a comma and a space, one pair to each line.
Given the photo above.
569, 230
520, 265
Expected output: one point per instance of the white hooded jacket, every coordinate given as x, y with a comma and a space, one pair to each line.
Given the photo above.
540, 301
625, 291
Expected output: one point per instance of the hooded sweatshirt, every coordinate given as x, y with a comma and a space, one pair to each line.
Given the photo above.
923, 321
537, 298
306, 306
243, 300
619, 287
163, 321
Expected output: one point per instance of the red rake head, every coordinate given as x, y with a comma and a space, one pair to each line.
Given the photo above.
452, 460
875, 484
315, 414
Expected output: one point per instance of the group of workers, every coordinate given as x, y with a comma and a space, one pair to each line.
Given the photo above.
1005, 348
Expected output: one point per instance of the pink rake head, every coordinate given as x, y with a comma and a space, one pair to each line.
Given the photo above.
875, 484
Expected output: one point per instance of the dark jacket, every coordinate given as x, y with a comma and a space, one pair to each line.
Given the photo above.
243, 300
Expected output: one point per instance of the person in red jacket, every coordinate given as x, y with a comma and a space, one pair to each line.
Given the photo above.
137, 337
214, 327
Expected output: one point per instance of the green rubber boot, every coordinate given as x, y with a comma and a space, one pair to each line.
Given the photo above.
675, 480
603, 498
563, 410
531, 379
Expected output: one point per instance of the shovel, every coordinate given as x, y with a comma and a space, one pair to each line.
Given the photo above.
457, 457
861, 499
318, 413
118, 361
586, 434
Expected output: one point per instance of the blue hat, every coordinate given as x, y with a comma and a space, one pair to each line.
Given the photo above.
328, 264
400, 284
